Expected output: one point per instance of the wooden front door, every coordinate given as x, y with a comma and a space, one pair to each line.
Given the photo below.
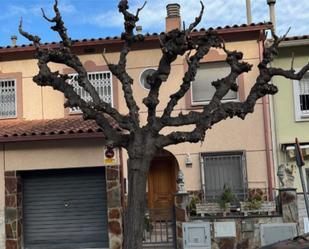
161, 183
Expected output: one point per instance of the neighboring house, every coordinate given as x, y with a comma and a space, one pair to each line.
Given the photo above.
291, 105
291, 111
49, 154
55, 190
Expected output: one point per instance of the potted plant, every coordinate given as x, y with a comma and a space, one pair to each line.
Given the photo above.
191, 208
226, 198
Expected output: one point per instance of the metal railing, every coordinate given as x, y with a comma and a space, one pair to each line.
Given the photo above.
159, 228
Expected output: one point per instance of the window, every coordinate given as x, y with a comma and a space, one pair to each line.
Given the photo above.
143, 77
202, 90
102, 82
301, 98
8, 98
225, 168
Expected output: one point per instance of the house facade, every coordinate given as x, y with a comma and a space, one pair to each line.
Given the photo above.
290, 112
57, 190
291, 107
52, 162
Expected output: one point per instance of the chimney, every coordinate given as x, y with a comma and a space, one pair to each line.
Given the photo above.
139, 29
13, 40
272, 14
248, 7
173, 20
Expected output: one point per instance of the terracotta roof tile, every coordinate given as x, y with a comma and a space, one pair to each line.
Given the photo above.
19, 129
293, 38
227, 28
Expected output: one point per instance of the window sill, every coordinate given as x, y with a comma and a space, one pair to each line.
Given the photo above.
8, 118
199, 105
302, 118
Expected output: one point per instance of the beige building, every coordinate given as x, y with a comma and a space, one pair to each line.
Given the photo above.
43, 144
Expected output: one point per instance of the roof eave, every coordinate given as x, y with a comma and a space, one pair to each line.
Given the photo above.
10, 139
294, 43
148, 38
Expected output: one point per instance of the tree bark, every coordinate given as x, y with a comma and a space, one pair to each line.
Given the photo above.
134, 215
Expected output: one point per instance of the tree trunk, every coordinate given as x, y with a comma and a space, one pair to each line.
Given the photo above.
134, 214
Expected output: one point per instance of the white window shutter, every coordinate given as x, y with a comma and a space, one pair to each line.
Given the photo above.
301, 105
8, 98
201, 89
102, 82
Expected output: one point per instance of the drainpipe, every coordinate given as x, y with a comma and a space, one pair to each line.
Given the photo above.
267, 129
272, 13
248, 8
202, 174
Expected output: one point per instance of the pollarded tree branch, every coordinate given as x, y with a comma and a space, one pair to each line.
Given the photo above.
290, 74
67, 55
262, 86
216, 111
119, 70
197, 19
59, 25
210, 39
33, 38
174, 43
64, 54
223, 86
140, 9
59, 82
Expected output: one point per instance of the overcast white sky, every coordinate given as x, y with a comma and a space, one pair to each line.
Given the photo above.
100, 18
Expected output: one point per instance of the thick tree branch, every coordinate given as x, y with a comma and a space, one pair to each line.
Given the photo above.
210, 39
216, 111
223, 86
59, 82
197, 19
262, 86
119, 70
34, 39
173, 44
289, 74
65, 56
96, 110
59, 25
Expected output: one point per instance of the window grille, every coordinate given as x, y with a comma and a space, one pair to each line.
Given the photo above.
7, 98
224, 169
304, 94
202, 91
102, 82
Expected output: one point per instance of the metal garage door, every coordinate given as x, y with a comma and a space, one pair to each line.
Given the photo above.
65, 209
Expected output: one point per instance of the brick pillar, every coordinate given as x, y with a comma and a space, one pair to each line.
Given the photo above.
113, 187
288, 199
181, 202
13, 210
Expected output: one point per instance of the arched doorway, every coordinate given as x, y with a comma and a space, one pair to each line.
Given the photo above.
162, 184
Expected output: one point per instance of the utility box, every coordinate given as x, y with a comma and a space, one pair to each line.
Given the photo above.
196, 235
272, 233
225, 229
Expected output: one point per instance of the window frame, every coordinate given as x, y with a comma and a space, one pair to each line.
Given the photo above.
15, 93
78, 111
140, 77
202, 103
299, 115
243, 172
17, 77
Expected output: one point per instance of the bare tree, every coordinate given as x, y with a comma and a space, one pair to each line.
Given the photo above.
143, 141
